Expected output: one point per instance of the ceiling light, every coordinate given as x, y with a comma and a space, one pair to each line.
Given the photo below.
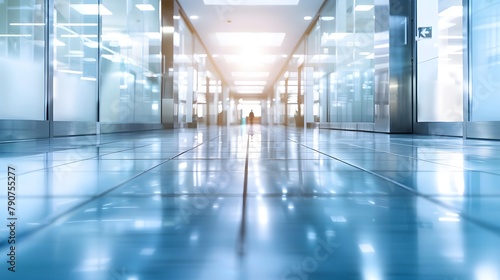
252, 2
145, 7
194, 17
250, 59
363, 8
284, 55
177, 17
308, 18
215, 55
91, 9
248, 92
250, 83
250, 74
250, 88
327, 18
249, 39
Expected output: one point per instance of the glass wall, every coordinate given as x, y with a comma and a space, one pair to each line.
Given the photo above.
440, 61
75, 47
485, 60
130, 62
337, 76
184, 70
22, 56
351, 38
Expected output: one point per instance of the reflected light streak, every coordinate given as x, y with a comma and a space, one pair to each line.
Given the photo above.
263, 215
366, 248
147, 252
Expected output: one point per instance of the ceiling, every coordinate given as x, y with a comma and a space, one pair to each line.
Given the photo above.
250, 37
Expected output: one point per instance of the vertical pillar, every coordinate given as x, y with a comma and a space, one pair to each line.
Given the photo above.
190, 96
309, 95
207, 99
393, 67
49, 62
216, 102
225, 104
168, 117
285, 101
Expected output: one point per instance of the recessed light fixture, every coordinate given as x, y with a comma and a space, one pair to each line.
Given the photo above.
145, 7
177, 17
363, 8
284, 55
215, 55
308, 18
194, 17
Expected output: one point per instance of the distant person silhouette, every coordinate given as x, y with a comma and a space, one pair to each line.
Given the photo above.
250, 117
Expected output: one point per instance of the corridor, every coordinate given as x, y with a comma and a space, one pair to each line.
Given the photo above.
253, 202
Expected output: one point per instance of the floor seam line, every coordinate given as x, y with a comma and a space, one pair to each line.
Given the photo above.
493, 228
74, 208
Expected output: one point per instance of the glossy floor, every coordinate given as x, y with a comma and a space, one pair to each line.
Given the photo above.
251, 203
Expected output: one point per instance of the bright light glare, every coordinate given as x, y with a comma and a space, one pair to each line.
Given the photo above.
252, 2
250, 74
250, 39
250, 83
250, 59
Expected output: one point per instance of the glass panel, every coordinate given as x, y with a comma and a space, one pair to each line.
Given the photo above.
440, 61
22, 54
130, 62
75, 67
200, 61
183, 57
485, 60
347, 43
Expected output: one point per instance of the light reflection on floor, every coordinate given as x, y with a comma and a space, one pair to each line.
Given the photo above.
320, 204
